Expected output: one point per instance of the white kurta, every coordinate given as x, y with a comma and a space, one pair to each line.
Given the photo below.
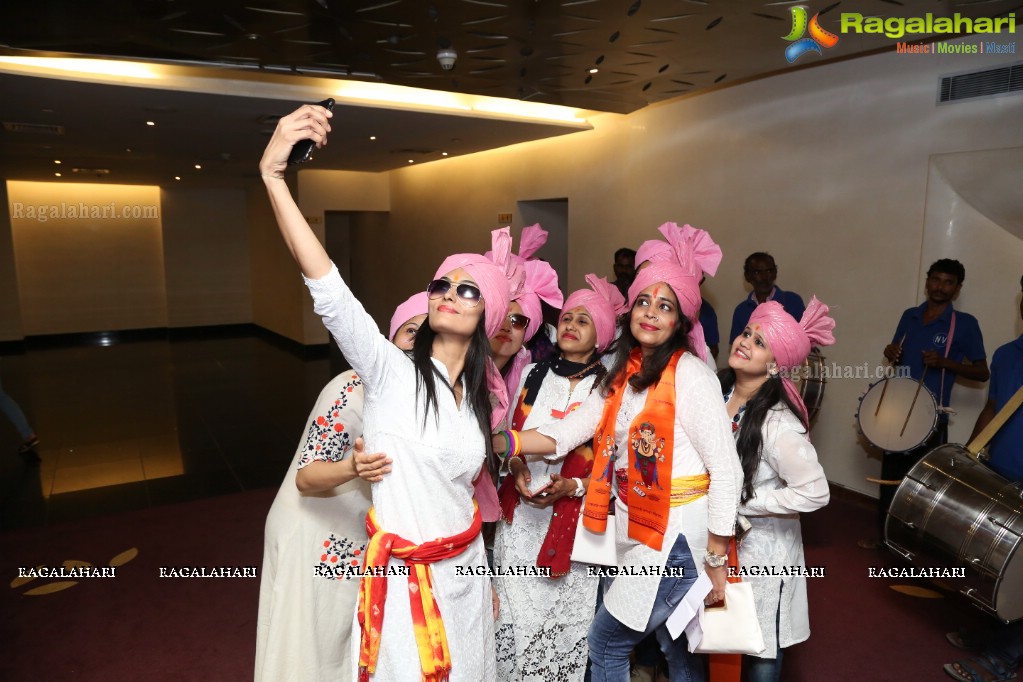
306, 597
789, 480
427, 495
703, 443
542, 626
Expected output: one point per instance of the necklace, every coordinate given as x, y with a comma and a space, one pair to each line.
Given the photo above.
563, 367
738, 415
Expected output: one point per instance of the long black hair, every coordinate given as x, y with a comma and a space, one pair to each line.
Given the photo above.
750, 442
474, 372
650, 371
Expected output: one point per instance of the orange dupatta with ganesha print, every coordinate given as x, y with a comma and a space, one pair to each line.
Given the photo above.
651, 440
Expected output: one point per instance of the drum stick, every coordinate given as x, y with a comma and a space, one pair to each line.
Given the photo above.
918, 385
883, 481
989, 431
886, 377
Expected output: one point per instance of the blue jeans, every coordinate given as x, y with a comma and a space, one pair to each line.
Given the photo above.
14, 414
611, 642
765, 669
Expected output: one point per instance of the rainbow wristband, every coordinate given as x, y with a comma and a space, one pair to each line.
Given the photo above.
514, 444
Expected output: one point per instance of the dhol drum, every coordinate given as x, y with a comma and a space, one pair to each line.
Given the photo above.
952, 511
809, 380
895, 417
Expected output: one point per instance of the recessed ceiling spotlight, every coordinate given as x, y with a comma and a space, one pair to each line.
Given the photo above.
411, 161
372, 137
150, 123
128, 149
594, 70
58, 174
443, 153
198, 167
177, 177
57, 161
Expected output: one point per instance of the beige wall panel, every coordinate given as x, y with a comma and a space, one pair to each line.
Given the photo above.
10, 305
207, 257
101, 272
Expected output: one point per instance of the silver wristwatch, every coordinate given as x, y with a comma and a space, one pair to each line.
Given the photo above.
715, 560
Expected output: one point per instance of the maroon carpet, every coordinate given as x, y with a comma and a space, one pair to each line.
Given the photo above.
138, 626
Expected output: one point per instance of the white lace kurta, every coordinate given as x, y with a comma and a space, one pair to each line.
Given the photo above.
703, 443
427, 495
542, 626
789, 480
306, 598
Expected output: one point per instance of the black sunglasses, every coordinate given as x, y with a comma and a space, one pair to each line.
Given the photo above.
518, 321
468, 294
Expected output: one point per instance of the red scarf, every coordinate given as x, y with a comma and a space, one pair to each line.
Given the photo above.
650, 444
431, 639
556, 549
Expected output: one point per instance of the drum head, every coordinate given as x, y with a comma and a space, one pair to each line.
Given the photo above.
884, 408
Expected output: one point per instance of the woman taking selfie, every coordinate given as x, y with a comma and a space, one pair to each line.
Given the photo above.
316, 533
675, 504
431, 414
781, 474
542, 628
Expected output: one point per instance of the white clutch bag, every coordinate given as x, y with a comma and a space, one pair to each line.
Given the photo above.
732, 628
595, 548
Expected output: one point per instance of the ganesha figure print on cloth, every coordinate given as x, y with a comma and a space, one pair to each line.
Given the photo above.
648, 449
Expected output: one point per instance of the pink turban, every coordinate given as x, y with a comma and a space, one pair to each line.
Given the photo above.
687, 291
603, 302
791, 341
540, 283
695, 254
417, 304
495, 274
701, 251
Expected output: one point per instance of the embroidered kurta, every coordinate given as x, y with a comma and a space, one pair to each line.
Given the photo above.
789, 480
427, 495
542, 626
703, 444
307, 596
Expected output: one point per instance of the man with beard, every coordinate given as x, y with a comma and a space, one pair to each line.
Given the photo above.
943, 342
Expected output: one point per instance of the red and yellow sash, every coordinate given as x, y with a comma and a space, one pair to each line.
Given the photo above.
431, 640
651, 440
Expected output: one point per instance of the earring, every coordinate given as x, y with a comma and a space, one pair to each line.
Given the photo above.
772, 369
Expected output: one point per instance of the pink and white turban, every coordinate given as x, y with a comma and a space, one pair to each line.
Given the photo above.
791, 341
603, 302
694, 254
416, 304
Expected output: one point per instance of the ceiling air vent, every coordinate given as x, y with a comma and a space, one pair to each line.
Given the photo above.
988, 83
45, 128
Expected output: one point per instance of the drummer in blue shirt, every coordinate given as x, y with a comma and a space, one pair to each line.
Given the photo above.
1006, 449
760, 271
938, 343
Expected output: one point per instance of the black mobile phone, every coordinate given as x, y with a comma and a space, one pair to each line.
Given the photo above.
303, 149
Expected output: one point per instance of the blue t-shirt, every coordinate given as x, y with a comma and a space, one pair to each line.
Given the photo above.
709, 322
789, 300
1006, 377
967, 344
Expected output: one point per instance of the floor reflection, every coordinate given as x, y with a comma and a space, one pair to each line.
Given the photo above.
142, 423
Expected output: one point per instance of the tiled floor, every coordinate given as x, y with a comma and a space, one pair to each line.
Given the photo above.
144, 423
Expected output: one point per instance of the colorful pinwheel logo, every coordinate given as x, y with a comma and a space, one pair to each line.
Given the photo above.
818, 36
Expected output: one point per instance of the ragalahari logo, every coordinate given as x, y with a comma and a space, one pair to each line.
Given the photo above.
818, 36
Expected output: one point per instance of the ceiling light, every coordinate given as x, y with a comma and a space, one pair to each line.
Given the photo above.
594, 70
177, 177
150, 123
198, 167
57, 161
104, 67
57, 174
411, 161
443, 153
372, 137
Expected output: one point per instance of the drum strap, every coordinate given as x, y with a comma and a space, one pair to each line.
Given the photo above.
989, 431
948, 348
